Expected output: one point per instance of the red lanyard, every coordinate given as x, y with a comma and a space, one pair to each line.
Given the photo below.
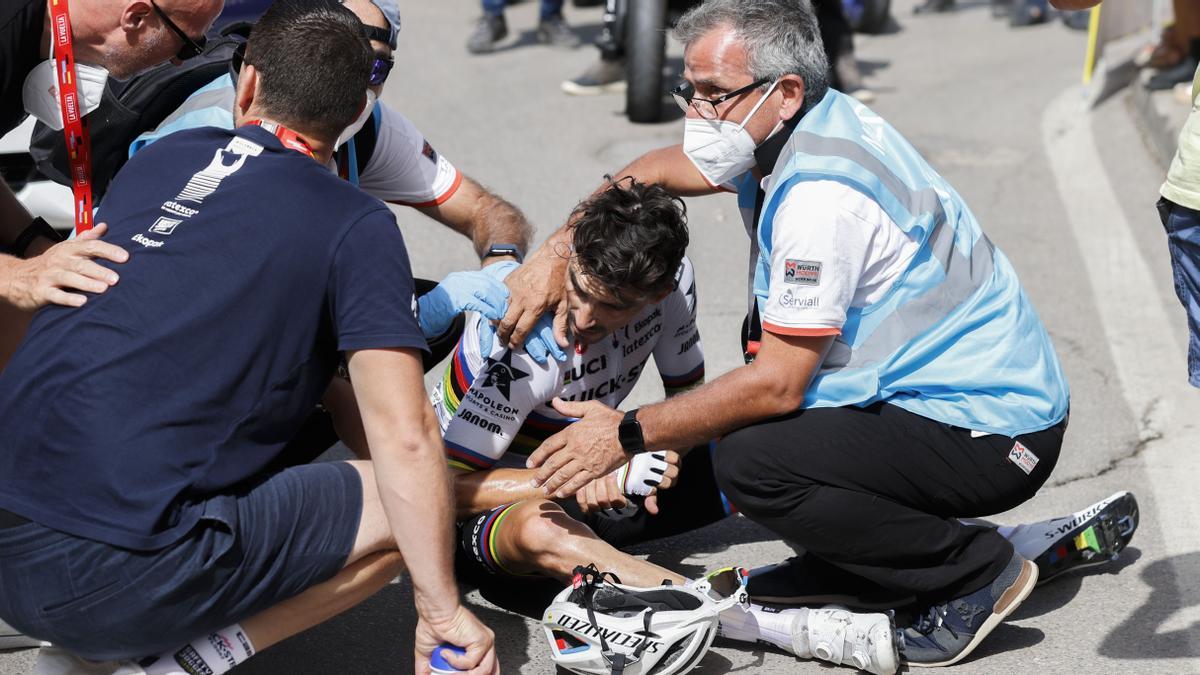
289, 138
75, 127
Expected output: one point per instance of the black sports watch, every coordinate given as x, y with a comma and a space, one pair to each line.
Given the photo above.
630, 434
38, 228
505, 249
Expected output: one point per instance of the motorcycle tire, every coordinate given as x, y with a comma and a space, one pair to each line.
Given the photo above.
645, 55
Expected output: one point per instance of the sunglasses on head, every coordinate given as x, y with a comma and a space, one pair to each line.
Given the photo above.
380, 67
190, 48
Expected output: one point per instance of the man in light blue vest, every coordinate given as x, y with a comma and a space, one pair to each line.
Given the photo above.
900, 377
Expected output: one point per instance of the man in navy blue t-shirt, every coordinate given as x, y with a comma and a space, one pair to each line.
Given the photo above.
136, 509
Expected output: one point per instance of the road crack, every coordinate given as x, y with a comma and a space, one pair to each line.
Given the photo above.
1149, 431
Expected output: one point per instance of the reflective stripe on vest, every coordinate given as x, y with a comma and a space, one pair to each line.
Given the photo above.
954, 338
964, 274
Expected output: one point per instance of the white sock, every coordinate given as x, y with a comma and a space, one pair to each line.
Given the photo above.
215, 653
766, 624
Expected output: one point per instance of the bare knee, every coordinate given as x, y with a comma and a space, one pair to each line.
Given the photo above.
544, 538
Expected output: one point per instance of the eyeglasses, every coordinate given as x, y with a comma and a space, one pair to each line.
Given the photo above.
191, 48
685, 97
380, 67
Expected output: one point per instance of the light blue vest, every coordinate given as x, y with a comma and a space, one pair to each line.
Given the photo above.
212, 106
954, 339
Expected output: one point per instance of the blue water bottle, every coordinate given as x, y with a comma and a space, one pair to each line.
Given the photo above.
438, 662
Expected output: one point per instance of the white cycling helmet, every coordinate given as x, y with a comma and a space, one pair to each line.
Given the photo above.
598, 626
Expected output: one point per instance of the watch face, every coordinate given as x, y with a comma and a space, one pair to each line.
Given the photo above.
629, 433
504, 249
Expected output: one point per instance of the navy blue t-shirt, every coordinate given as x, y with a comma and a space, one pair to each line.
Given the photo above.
251, 266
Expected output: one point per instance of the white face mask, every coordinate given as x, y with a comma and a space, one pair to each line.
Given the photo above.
359, 123
720, 149
40, 91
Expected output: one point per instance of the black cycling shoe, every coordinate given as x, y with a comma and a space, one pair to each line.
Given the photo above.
1092, 537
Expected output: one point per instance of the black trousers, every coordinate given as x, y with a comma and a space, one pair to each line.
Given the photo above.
875, 494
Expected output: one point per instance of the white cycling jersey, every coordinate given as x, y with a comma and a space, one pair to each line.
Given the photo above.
488, 406
403, 168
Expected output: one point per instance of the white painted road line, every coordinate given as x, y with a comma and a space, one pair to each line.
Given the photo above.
1139, 331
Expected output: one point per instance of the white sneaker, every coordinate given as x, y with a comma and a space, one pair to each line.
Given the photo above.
55, 661
839, 636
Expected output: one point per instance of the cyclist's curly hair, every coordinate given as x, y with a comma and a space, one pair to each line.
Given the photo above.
631, 238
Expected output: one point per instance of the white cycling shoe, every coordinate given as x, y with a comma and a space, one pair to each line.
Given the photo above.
859, 640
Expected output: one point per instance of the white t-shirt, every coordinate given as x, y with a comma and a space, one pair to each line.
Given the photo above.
404, 168
832, 248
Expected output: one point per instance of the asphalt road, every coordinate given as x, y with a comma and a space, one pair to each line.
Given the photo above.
1068, 195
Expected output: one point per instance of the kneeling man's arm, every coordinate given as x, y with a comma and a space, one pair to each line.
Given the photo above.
411, 474
773, 385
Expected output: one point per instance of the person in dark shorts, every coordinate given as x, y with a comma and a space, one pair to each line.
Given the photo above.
137, 511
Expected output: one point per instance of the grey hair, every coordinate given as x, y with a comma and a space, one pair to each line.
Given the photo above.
781, 38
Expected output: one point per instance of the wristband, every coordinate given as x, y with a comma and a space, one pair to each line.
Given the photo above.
38, 228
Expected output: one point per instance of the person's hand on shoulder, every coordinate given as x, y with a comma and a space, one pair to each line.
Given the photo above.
541, 342
538, 287
50, 276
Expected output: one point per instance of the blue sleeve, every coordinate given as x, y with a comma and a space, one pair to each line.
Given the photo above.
371, 295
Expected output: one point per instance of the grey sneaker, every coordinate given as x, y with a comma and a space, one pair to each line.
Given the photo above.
11, 638
488, 31
555, 32
602, 77
945, 634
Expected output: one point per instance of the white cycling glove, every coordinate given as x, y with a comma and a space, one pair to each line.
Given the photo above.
642, 474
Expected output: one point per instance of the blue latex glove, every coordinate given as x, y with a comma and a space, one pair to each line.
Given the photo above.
461, 292
540, 342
